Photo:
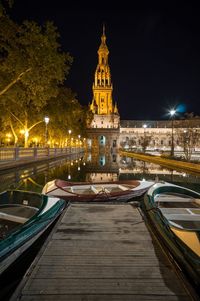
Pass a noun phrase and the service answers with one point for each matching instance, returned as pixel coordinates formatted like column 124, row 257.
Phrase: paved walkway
column 101, row 252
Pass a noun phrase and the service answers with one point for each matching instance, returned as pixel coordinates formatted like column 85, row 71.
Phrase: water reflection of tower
column 102, row 167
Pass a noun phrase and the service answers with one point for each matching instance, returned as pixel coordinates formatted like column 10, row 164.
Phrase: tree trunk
column 14, row 133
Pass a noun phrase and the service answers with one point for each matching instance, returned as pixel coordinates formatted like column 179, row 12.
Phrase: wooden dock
column 101, row 252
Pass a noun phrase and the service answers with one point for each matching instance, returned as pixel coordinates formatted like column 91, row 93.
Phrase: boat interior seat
column 172, row 198
column 125, row 187
column 13, row 218
column 183, row 217
column 115, row 189
column 21, row 211
column 83, row 191
column 174, row 211
column 97, row 189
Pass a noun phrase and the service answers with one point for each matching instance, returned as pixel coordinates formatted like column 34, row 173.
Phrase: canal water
column 94, row 168
column 88, row 167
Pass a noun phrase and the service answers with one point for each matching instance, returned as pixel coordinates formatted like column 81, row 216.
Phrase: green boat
column 174, row 213
column 24, row 216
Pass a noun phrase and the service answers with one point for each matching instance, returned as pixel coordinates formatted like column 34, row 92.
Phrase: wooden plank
column 129, row 245
column 96, row 297
column 98, row 272
column 102, row 286
column 101, row 260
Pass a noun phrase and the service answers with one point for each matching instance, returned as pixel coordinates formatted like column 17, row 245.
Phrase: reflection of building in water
column 126, row 168
column 129, row 166
column 102, row 167
column 101, row 177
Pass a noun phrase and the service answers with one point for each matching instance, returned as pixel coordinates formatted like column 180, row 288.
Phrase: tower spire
column 103, row 29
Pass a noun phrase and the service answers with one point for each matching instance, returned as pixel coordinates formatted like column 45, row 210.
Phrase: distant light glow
column 172, row 112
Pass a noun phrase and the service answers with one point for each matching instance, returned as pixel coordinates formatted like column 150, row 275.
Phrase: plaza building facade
column 158, row 136
column 106, row 133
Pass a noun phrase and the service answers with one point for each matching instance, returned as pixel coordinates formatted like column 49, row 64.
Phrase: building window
column 102, row 99
column 161, row 142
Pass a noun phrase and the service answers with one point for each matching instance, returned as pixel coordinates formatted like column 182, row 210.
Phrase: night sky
column 154, row 50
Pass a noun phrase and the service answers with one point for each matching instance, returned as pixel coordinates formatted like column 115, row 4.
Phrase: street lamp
column 46, row 120
column 172, row 114
column 69, row 131
column 144, row 143
column 79, row 141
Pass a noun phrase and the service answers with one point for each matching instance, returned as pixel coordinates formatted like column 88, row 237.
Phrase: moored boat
column 101, row 191
column 24, row 216
column 174, row 213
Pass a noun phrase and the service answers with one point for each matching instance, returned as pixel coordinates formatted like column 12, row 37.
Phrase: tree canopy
column 33, row 69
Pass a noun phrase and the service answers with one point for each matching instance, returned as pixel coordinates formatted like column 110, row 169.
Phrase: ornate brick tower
column 103, row 132
column 105, row 113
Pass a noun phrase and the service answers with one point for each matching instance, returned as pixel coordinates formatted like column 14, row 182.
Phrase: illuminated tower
column 105, row 112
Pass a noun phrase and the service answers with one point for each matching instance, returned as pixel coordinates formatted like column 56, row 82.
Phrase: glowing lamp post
column 69, row 131
column 172, row 114
column 144, row 143
column 79, row 141
column 46, row 120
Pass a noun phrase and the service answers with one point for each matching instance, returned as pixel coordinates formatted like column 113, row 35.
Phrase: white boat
column 101, row 191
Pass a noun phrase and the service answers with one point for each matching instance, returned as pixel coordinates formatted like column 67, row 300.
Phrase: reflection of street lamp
column 172, row 113
column 46, row 120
